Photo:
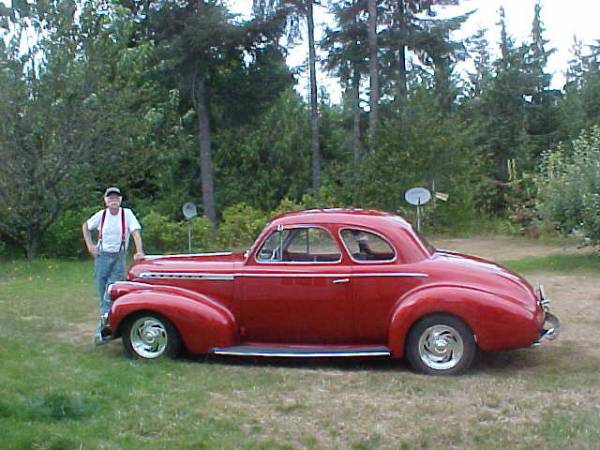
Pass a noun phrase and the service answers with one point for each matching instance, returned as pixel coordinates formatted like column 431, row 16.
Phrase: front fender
column 497, row 323
column 201, row 322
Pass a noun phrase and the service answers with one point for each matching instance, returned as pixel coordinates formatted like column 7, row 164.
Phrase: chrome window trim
column 281, row 228
column 387, row 241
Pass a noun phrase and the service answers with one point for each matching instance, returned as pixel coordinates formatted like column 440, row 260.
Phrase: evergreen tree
column 347, row 56
column 541, row 111
column 411, row 25
column 478, row 47
column 294, row 11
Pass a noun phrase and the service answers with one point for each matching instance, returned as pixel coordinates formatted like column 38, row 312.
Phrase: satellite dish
column 417, row 196
column 189, row 211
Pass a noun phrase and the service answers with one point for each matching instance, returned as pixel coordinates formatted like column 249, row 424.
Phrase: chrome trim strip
column 392, row 274
column 187, row 275
column 230, row 277
column 293, row 354
column 181, row 255
column 332, row 275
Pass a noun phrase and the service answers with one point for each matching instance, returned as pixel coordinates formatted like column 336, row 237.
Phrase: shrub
column 63, row 237
column 162, row 235
column 569, row 186
column 240, row 225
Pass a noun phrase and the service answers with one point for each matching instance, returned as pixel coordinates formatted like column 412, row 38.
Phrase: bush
column 240, row 225
column 162, row 235
column 63, row 237
column 569, row 187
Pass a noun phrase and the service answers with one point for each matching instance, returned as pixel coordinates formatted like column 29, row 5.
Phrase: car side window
column 365, row 246
column 307, row 244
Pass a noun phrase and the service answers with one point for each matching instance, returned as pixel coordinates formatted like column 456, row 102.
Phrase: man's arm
column 139, row 248
column 87, row 237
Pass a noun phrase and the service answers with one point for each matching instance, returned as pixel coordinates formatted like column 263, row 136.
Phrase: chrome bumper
column 550, row 329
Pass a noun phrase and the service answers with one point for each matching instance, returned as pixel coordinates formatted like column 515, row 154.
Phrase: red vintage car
column 329, row 283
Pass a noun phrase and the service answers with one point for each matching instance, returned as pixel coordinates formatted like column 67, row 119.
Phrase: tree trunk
column 206, row 166
column 314, row 112
column 32, row 246
column 373, row 70
column 402, row 84
column 356, row 136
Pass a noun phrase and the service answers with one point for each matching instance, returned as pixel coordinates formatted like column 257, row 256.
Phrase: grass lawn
column 58, row 391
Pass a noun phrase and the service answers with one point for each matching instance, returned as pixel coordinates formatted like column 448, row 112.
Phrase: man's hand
column 139, row 256
column 93, row 250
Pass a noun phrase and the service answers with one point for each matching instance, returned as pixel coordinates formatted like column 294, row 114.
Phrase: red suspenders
column 122, row 229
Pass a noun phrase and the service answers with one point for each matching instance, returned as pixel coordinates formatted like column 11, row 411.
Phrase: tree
column 541, row 110
column 68, row 112
column 479, row 51
column 204, row 53
column 295, row 11
column 347, row 53
column 373, row 69
column 411, row 25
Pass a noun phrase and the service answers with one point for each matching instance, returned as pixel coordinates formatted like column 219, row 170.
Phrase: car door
column 378, row 281
column 295, row 289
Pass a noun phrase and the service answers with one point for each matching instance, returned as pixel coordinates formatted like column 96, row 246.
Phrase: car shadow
column 492, row 363
column 344, row 364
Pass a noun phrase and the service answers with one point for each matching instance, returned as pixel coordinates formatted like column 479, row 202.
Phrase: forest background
column 178, row 101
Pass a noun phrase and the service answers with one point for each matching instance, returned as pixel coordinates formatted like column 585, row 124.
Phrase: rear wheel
column 150, row 336
column 440, row 345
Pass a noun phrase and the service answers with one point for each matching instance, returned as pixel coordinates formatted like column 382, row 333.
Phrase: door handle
column 341, row 280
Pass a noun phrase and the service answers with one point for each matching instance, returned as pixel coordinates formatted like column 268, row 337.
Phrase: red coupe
column 329, row 283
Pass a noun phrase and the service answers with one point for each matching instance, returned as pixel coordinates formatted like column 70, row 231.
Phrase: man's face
column 112, row 201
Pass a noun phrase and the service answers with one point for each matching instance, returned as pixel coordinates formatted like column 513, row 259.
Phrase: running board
column 302, row 351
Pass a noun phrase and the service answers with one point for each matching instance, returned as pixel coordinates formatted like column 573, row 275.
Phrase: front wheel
column 150, row 336
column 440, row 345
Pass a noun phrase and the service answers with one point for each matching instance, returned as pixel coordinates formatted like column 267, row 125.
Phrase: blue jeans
column 109, row 267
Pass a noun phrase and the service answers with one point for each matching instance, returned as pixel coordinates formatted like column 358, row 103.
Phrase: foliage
column 162, row 235
column 262, row 163
column 161, row 97
column 63, row 237
column 569, row 186
column 422, row 148
column 240, row 226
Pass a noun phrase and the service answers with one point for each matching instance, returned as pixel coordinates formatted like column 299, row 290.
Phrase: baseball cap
column 113, row 190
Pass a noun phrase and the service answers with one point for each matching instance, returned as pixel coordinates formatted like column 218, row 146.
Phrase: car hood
column 203, row 263
column 483, row 274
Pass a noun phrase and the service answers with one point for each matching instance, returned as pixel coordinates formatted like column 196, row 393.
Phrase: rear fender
column 201, row 322
column 497, row 323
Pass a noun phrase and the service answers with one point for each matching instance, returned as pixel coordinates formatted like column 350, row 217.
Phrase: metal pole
column 419, row 215
column 189, row 236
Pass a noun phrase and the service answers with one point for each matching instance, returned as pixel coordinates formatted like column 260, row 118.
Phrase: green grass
column 58, row 391
column 567, row 263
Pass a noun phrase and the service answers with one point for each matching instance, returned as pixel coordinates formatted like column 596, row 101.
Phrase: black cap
column 113, row 190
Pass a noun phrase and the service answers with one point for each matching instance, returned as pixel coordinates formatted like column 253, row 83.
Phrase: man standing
column 114, row 225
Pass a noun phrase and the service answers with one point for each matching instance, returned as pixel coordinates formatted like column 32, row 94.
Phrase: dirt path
column 504, row 248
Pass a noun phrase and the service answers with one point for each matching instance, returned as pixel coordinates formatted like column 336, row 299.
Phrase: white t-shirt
column 111, row 232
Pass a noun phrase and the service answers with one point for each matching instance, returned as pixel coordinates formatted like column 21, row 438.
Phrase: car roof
column 355, row 216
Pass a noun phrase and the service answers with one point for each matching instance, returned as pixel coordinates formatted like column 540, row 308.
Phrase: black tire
column 451, row 353
column 150, row 336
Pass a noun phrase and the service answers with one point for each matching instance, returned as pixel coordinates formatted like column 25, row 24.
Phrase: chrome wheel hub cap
column 148, row 337
column 441, row 347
